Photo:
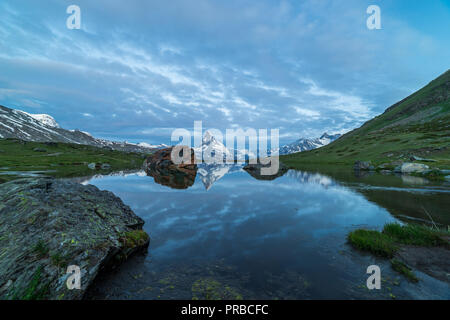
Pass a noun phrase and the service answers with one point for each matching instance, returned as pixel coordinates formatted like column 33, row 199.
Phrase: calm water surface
column 253, row 239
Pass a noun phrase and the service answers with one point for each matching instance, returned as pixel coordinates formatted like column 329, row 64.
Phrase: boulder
column 409, row 167
column 105, row 166
column 416, row 158
column 363, row 165
column 255, row 171
column 165, row 172
column 92, row 165
column 47, row 225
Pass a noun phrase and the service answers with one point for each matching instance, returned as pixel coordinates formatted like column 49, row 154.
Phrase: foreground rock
column 178, row 176
column 47, row 225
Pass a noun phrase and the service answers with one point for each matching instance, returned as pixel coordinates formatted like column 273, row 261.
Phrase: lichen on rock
column 47, row 225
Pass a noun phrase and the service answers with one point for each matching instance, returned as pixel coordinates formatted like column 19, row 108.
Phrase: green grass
column 379, row 148
column 381, row 144
column 135, row 238
column 373, row 241
column 402, row 268
column 386, row 243
column 60, row 159
column 414, row 235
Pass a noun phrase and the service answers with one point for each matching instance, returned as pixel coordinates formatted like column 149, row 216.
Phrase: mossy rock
column 47, row 225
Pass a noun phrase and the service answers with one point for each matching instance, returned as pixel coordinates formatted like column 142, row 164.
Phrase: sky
column 137, row 70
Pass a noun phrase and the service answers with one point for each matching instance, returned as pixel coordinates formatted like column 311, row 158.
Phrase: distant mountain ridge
column 43, row 128
column 305, row 144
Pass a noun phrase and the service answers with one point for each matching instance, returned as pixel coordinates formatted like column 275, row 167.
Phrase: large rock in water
column 47, row 225
column 363, row 165
column 255, row 171
column 178, row 176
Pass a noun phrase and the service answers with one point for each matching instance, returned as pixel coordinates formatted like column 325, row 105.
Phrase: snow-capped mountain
column 44, row 118
column 152, row 146
column 210, row 173
column 305, row 144
column 212, row 148
column 43, row 128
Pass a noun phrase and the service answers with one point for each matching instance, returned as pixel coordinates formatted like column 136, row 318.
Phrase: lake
column 231, row 236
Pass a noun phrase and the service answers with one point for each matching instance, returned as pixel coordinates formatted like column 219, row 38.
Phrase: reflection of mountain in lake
column 309, row 177
column 210, row 173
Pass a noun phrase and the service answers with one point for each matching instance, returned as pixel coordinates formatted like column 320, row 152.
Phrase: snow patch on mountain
column 43, row 128
column 211, row 148
column 152, row 146
column 211, row 173
column 44, row 118
column 305, row 144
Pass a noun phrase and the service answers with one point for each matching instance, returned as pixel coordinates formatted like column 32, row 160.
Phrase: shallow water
column 253, row 239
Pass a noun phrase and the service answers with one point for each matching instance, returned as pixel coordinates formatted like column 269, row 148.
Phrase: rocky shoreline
column 408, row 168
column 48, row 225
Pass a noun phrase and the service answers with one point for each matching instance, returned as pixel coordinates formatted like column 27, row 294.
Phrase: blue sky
column 136, row 70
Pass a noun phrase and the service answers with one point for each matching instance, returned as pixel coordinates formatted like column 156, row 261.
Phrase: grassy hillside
column 418, row 125
column 59, row 159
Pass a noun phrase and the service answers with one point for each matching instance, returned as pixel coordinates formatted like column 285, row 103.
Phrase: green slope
column 418, row 125
column 59, row 159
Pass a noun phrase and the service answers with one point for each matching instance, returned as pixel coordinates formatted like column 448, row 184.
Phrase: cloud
column 307, row 113
column 140, row 67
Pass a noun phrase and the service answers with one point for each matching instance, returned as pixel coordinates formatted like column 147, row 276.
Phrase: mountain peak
column 44, row 118
column 208, row 138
